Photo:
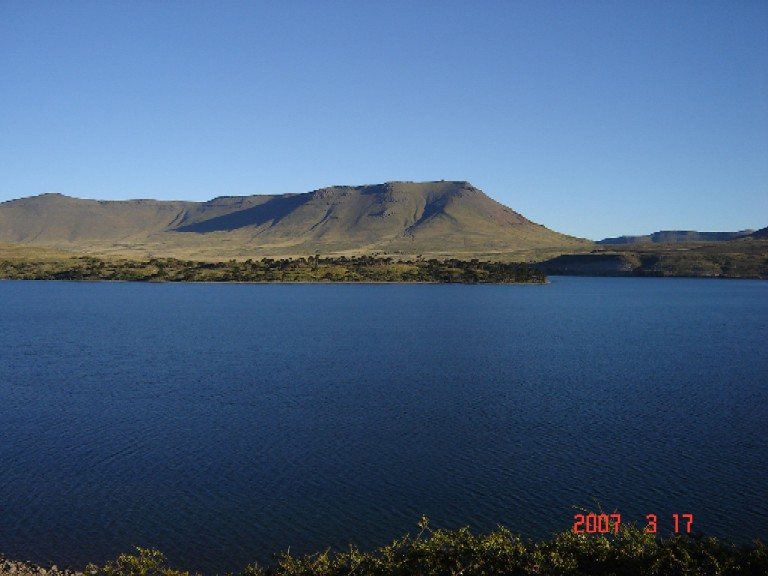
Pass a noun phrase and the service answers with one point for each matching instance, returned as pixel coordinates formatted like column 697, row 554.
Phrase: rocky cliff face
column 590, row 265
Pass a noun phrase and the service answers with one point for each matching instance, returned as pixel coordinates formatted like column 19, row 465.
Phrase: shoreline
column 9, row 567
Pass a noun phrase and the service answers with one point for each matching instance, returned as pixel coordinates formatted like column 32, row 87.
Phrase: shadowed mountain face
column 396, row 217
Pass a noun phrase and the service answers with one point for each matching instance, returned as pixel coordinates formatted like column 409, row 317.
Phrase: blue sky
column 593, row 118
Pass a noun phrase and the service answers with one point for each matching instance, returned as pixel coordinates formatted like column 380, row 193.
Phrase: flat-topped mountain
column 668, row 236
column 440, row 218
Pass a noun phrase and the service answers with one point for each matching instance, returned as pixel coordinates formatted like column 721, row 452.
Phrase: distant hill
column 429, row 218
column 668, row 236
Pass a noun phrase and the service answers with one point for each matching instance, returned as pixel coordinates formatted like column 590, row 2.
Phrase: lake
column 224, row 423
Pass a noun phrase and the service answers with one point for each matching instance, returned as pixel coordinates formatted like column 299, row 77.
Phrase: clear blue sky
column 594, row 118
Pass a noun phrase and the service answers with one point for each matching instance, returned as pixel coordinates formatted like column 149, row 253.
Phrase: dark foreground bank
column 437, row 552
column 733, row 259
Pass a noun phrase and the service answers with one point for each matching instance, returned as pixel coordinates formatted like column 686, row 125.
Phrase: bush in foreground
column 442, row 552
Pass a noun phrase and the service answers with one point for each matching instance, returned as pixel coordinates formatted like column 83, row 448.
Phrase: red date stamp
column 605, row 523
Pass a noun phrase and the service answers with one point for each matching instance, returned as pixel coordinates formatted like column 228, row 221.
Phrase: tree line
column 310, row 269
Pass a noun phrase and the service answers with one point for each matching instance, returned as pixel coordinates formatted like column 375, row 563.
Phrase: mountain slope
column 441, row 218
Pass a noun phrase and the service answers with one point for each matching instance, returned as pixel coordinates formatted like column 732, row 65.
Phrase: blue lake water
column 224, row 423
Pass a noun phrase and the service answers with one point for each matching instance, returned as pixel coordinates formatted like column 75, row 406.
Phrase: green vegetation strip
column 312, row 269
column 441, row 552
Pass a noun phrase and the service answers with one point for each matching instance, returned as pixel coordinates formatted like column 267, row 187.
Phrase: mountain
column 667, row 236
column 428, row 218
